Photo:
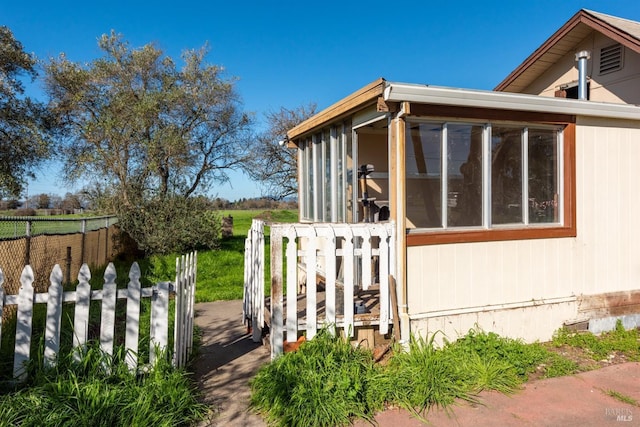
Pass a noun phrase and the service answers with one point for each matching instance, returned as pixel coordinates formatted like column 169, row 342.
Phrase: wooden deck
column 366, row 308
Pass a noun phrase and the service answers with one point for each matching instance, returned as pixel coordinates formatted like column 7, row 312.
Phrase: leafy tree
column 71, row 201
column 25, row 125
column 43, row 201
column 275, row 166
column 144, row 132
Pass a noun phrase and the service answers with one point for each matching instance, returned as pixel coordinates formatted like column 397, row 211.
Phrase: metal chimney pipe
column 582, row 57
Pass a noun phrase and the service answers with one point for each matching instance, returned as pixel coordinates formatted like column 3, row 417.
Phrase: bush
column 172, row 224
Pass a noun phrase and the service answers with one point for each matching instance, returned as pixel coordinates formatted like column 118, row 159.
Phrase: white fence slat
column 292, row 284
column 159, row 320
column 277, row 332
column 259, row 303
column 193, row 273
column 349, row 278
column 311, row 263
column 248, row 265
column 258, row 281
column 108, row 313
column 330, row 277
column 133, row 316
column 54, row 317
column 365, row 258
column 178, row 334
column 81, row 317
column 383, row 275
column 24, row 323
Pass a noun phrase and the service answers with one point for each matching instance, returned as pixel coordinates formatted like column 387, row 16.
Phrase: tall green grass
column 329, row 382
column 101, row 391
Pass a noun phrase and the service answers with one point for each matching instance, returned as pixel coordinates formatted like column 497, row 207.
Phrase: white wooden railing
column 184, row 288
column 343, row 254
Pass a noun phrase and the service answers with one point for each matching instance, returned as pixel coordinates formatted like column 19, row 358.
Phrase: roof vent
column 610, row 58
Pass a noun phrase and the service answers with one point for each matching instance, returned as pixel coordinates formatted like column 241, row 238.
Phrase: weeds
column 600, row 347
column 324, row 383
column 622, row 397
column 328, row 382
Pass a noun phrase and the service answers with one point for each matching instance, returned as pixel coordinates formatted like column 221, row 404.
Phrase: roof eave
column 398, row 92
column 582, row 17
column 365, row 96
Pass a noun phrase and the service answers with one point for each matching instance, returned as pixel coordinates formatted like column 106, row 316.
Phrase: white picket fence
column 253, row 298
column 343, row 254
column 183, row 287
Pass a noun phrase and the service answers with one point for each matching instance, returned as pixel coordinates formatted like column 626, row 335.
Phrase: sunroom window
column 326, row 171
column 463, row 175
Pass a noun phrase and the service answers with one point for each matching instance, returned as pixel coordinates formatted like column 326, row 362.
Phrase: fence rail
column 55, row 297
column 15, row 227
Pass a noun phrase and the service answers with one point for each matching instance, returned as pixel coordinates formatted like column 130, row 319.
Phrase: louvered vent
column 610, row 58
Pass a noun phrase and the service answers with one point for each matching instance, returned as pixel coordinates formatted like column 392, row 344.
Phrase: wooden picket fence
column 183, row 288
column 350, row 258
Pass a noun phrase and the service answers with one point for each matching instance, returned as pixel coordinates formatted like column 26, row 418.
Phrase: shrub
column 172, row 224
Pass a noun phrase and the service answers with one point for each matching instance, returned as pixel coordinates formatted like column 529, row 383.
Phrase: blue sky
column 287, row 53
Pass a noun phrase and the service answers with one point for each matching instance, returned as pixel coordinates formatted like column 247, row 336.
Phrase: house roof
column 565, row 40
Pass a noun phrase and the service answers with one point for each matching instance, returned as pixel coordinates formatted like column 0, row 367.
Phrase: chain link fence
column 44, row 242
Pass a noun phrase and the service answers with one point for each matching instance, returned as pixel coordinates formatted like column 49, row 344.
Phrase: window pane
column 326, row 149
column 423, row 172
column 464, row 175
column 543, row 176
column 506, row 175
column 349, row 178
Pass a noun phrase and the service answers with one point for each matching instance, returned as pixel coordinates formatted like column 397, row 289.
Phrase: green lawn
column 221, row 272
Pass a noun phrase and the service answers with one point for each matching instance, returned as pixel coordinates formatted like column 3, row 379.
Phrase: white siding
column 455, row 284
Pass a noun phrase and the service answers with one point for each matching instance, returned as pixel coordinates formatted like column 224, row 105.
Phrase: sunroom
column 479, row 190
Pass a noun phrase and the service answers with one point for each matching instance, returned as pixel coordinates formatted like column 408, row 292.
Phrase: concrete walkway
column 228, row 359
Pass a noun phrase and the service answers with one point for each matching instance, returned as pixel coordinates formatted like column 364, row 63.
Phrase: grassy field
column 221, row 272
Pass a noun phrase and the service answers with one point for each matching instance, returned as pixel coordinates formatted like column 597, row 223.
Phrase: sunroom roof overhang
column 396, row 93
column 362, row 98
column 434, row 95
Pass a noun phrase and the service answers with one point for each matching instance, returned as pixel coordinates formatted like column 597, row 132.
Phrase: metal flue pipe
column 582, row 58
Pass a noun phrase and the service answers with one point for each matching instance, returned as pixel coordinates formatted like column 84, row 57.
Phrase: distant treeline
column 259, row 203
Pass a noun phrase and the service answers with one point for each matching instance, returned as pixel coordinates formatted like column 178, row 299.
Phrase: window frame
column 566, row 227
